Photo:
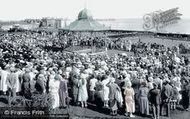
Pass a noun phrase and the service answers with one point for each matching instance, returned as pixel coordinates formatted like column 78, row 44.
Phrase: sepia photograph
column 95, row 59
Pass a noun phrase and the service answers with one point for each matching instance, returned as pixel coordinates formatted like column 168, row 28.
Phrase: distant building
column 51, row 23
column 32, row 21
column 23, row 25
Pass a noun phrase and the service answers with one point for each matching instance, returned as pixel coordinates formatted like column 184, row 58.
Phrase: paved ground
column 76, row 112
column 80, row 113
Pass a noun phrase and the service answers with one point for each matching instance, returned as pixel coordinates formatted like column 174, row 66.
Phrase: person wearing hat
column 82, row 91
column 114, row 96
column 174, row 97
column 166, row 94
column 19, row 72
column 54, row 89
column 63, row 91
column 186, row 94
column 3, row 78
column 155, row 99
column 75, row 88
column 11, row 83
column 88, row 69
column 177, row 84
column 143, row 99
column 92, row 86
column 129, row 100
column 33, row 74
column 105, row 81
column 25, row 87
column 40, row 84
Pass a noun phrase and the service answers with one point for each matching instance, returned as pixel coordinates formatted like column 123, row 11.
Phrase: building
column 51, row 23
column 85, row 22
column 18, row 24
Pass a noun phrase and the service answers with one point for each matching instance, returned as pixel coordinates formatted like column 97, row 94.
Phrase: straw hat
column 82, row 76
column 112, row 80
column 12, row 69
column 51, row 77
column 127, row 85
column 40, row 76
column 27, row 70
column 57, row 77
column 150, row 79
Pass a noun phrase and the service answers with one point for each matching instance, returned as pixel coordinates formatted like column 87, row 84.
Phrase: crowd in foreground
column 155, row 78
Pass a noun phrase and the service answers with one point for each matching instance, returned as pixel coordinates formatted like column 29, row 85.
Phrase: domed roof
column 84, row 14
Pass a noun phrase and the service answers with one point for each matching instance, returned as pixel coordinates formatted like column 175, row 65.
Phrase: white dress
column 3, row 85
column 177, row 83
column 54, row 91
column 18, row 83
column 105, row 89
column 83, row 94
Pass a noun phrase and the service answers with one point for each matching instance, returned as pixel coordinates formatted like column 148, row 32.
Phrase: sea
column 181, row 27
column 134, row 24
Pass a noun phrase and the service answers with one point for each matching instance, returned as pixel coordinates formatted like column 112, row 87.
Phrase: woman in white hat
column 54, row 89
column 3, row 77
column 105, row 81
column 82, row 93
column 129, row 100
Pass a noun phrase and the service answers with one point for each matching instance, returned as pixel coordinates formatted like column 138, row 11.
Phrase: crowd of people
column 155, row 78
column 61, row 40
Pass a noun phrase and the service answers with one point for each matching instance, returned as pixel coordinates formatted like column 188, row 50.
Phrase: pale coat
column 3, row 85
column 129, row 100
column 83, row 94
column 54, row 91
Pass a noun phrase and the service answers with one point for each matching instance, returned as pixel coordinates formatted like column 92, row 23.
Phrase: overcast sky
column 21, row 9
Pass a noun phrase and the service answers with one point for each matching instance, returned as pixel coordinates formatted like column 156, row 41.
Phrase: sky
column 22, row 9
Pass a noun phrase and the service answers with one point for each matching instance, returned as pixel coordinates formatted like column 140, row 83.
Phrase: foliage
column 42, row 100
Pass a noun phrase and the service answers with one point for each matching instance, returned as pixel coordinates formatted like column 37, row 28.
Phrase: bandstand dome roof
column 85, row 22
column 85, row 14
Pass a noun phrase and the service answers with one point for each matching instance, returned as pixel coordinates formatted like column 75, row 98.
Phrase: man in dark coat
column 26, row 92
column 166, row 94
column 154, row 98
column 63, row 91
column 186, row 94
column 40, row 84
